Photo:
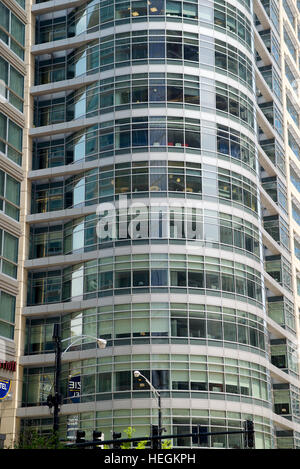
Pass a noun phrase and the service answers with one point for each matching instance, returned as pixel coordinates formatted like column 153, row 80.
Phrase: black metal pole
column 57, row 340
column 159, row 420
column 159, row 437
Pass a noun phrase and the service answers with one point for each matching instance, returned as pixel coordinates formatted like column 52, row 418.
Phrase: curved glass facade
column 153, row 219
column 215, row 229
column 157, row 273
column 141, row 91
column 142, row 47
column 203, row 381
column 171, row 134
column 189, row 181
column 164, row 323
column 99, row 15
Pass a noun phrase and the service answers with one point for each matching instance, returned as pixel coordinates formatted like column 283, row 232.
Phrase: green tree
column 166, row 444
column 129, row 431
column 30, row 439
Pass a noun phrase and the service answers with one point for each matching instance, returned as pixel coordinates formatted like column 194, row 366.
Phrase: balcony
column 276, row 191
column 280, row 270
column 281, row 310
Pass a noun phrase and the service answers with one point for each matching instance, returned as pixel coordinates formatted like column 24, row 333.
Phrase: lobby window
column 7, row 315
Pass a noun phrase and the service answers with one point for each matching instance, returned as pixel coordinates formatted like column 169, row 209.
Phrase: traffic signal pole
column 159, row 420
column 248, row 431
column 56, row 403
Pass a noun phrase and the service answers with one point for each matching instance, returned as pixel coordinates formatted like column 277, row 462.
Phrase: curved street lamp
column 138, row 374
column 100, row 342
column 55, row 401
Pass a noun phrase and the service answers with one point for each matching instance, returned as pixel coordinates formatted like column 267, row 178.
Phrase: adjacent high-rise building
column 150, row 196
column 13, row 160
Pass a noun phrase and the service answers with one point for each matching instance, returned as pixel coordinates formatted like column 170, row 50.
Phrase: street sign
column 74, row 388
column 4, row 388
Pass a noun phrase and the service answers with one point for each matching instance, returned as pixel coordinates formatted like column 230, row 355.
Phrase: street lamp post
column 156, row 393
column 57, row 397
column 55, row 401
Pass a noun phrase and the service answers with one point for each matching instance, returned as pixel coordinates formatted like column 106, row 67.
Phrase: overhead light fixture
column 135, row 13
column 101, row 343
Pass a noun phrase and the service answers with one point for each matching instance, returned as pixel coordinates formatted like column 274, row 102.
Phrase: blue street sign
column 74, row 388
column 4, row 388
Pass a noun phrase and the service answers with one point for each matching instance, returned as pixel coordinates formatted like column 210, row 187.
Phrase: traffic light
column 116, row 444
column 98, row 436
column 53, row 400
column 155, row 444
column 80, row 436
column 49, row 401
column 57, row 398
column 249, row 435
column 56, row 331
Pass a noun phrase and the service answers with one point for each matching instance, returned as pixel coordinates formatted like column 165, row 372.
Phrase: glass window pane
column 12, row 190
column 15, row 135
column 10, row 247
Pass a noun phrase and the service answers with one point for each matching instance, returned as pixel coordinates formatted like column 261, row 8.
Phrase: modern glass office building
column 160, row 211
